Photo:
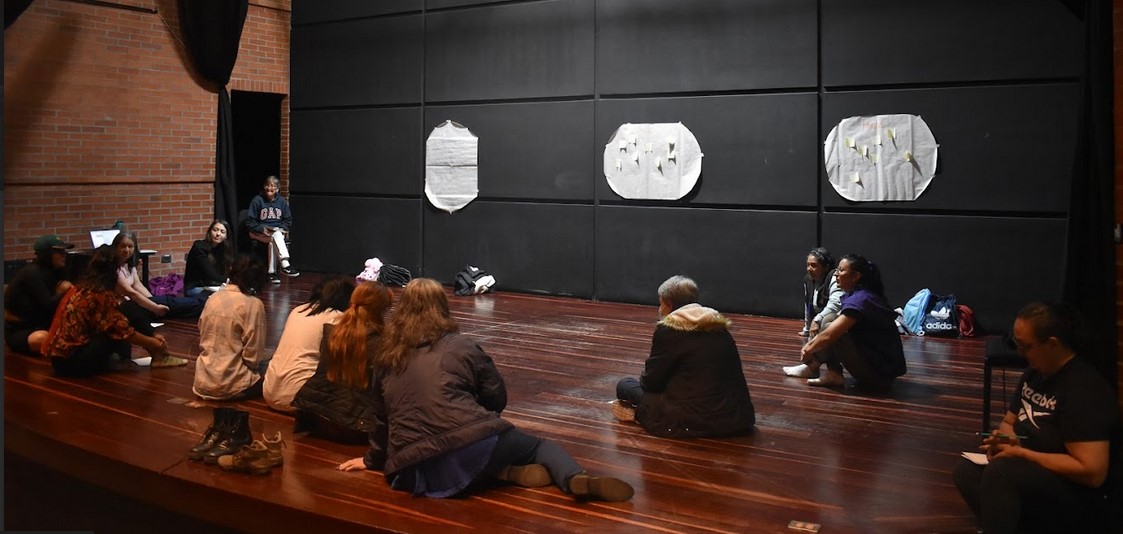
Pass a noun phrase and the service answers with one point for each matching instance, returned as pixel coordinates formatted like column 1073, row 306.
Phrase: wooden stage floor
column 852, row 462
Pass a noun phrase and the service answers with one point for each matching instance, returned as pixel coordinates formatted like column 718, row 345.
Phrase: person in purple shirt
column 863, row 339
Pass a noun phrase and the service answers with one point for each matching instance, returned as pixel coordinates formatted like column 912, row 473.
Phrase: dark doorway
column 257, row 140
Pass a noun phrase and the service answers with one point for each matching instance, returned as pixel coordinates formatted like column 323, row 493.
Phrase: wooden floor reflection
column 847, row 460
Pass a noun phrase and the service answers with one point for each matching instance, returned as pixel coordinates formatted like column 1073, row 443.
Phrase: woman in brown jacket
column 438, row 397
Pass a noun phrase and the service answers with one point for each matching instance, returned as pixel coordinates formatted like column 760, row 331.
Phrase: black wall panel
column 441, row 4
column 356, row 151
column 539, row 150
column 889, row 41
column 757, row 150
column 742, row 260
column 657, row 46
column 312, row 11
column 532, row 50
column 369, row 61
column 540, row 248
column 992, row 264
column 545, row 83
column 338, row 234
column 1001, row 148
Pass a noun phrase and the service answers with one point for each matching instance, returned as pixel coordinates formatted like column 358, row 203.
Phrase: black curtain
column 212, row 30
column 13, row 9
column 1090, row 263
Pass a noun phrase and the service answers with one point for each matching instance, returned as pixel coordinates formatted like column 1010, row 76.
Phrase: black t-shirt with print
column 1072, row 405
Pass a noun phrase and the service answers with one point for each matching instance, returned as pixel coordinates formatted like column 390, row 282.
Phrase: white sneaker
column 801, row 371
column 827, row 379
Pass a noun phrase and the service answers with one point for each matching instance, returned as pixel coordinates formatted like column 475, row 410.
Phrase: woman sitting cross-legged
column 864, row 337
column 438, row 396
column 232, row 336
column 139, row 304
column 335, row 403
column 208, row 261
column 298, row 351
column 89, row 335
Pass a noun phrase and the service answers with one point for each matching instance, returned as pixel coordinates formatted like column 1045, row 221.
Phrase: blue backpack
column 915, row 310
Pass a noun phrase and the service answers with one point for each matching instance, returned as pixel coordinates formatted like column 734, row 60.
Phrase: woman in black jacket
column 438, row 396
column 208, row 261
column 335, row 404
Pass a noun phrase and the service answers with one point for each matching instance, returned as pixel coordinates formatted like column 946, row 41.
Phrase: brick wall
column 103, row 120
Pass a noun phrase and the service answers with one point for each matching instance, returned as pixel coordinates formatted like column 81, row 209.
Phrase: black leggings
column 516, row 448
column 92, row 358
column 1017, row 495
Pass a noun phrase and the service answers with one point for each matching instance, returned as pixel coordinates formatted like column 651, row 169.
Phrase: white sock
column 285, row 263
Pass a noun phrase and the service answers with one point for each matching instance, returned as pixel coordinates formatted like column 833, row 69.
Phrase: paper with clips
column 894, row 156
column 660, row 161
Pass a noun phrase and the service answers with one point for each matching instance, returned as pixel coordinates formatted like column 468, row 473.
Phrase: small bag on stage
column 472, row 281
column 913, row 313
column 942, row 319
column 394, row 275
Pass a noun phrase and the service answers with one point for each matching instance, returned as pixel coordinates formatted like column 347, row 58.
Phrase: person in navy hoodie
column 269, row 220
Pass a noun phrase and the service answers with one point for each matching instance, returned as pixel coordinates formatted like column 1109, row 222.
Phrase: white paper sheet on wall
column 660, row 161
column 451, row 166
column 881, row 157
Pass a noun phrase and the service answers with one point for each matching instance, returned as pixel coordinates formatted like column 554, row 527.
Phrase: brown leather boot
column 257, row 458
column 583, row 486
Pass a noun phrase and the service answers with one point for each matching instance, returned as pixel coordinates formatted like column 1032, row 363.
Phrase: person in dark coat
column 34, row 293
column 336, row 404
column 692, row 385
column 438, row 398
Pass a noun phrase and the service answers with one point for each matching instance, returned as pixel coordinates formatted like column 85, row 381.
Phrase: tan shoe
column 252, row 459
column 257, row 458
column 167, row 361
column 623, row 411
column 527, row 476
column 609, row 489
column 275, row 446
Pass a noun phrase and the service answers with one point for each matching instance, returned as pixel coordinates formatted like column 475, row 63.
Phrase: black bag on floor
column 394, row 275
column 472, row 281
column 942, row 319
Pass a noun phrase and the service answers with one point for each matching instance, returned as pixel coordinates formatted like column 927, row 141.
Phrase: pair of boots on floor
column 229, row 444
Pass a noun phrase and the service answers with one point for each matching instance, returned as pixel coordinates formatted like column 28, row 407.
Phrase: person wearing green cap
column 33, row 294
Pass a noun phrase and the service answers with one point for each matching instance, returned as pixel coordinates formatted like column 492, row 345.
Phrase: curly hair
column 421, row 318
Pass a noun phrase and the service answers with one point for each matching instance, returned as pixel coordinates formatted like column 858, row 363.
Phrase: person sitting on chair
column 692, row 383
column 269, row 221
column 1054, row 462
column 34, row 293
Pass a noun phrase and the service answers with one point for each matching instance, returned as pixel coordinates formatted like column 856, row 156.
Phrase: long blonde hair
column 421, row 318
column 347, row 345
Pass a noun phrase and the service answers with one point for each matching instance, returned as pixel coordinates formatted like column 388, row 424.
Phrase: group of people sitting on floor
column 429, row 400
